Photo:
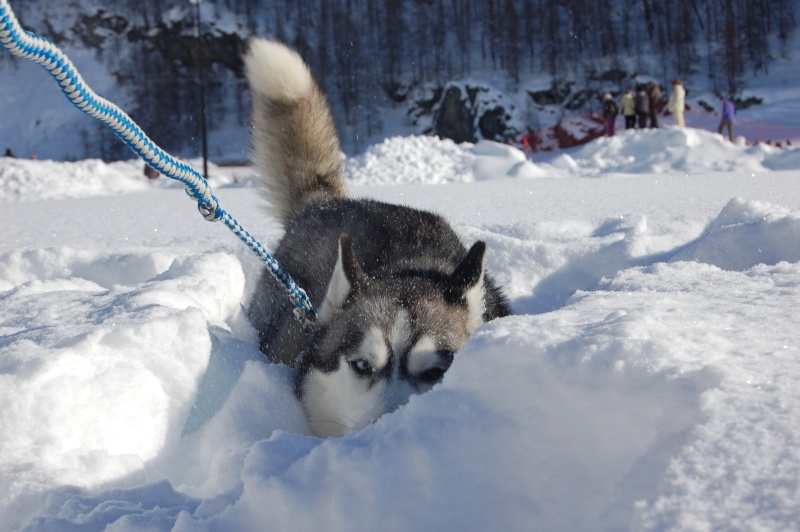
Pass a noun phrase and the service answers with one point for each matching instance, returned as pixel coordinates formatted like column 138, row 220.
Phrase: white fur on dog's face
column 382, row 341
column 376, row 377
column 475, row 304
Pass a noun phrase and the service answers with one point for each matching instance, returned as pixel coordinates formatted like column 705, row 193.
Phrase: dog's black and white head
column 379, row 341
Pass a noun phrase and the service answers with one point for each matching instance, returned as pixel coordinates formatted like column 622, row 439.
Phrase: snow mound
column 649, row 380
column 430, row 161
column 433, row 161
column 25, row 180
column 745, row 234
column 87, row 345
column 411, row 160
column 670, row 150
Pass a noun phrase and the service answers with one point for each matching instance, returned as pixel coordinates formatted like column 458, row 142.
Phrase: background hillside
column 388, row 67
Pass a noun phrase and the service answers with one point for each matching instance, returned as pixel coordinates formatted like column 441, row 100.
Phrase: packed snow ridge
column 649, row 379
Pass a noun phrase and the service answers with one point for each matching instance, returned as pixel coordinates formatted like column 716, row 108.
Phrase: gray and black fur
column 396, row 292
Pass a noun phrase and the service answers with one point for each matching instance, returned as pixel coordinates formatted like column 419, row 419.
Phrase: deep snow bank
column 649, row 378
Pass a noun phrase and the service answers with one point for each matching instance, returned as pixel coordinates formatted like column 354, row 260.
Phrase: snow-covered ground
column 650, row 378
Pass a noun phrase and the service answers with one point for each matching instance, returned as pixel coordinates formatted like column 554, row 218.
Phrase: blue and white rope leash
column 30, row 46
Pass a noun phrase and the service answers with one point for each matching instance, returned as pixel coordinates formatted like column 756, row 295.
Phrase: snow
column 673, row 150
column 649, row 379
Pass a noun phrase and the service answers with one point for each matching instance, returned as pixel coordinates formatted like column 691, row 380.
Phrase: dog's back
column 396, row 292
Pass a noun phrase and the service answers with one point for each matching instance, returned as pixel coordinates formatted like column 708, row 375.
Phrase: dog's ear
column 465, row 284
column 470, row 270
column 347, row 281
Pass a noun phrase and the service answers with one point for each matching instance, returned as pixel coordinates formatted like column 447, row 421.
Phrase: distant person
column 10, row 153
column 642, row 102
column 676, row 102
column 628, row 109
column 610, row 110
column 150, row 172
column 728, row 116
column 654, row 97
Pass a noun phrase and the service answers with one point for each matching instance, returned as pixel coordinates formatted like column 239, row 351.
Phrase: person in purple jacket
column 728, row 116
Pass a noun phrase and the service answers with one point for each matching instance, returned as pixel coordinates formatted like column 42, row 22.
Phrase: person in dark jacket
column 642, row 102
column 610, row 110
column 728, row 116
column 654, row 94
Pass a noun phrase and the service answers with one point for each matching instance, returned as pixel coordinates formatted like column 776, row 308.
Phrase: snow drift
column 650, row 378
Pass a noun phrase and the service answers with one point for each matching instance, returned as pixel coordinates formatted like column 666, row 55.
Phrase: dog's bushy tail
column 295, row 146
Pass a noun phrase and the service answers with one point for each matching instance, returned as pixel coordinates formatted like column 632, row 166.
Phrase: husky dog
column 396, row 292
